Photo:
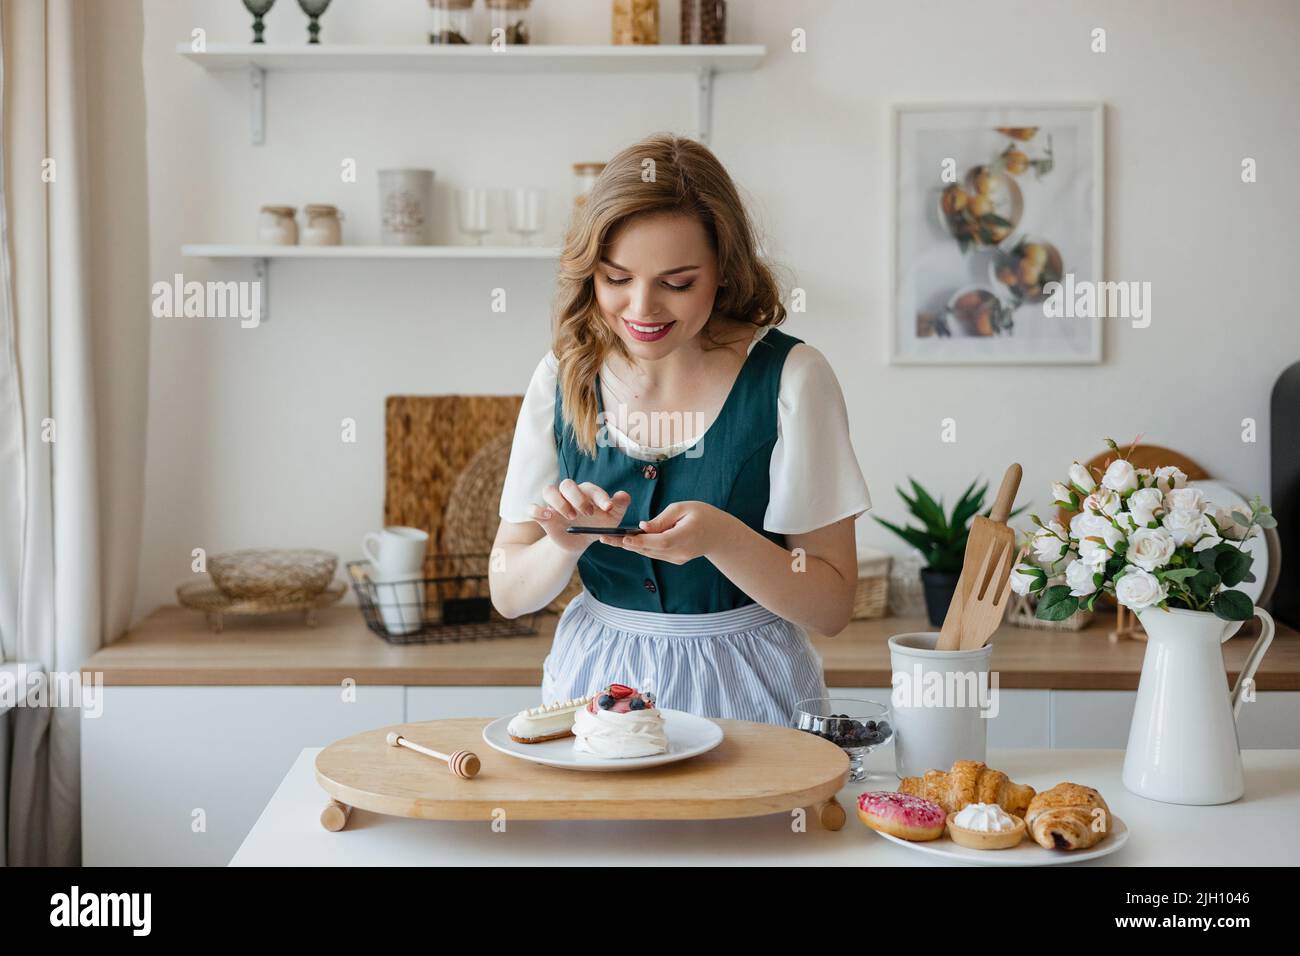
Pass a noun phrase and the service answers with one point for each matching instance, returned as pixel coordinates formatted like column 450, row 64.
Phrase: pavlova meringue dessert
column 620, row 722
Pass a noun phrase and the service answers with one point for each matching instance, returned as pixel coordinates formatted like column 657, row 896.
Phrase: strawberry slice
column 620, row 691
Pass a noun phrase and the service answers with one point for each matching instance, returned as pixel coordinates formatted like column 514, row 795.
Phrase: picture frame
column 968, row 272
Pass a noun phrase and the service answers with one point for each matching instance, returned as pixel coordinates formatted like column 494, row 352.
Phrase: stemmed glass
column 259, row 9
column 855, row 726
column 474, row 212
column 525, row 211
column 313, row 9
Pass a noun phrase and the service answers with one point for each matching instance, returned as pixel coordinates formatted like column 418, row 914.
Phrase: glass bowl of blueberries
column 854, row 725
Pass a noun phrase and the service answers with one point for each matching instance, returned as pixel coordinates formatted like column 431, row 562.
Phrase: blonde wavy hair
column 687, row 180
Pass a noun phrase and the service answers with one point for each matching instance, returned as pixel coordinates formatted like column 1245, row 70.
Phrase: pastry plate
column 1027, row 853
column 688, row 736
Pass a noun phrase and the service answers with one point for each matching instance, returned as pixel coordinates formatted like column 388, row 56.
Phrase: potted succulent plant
column 941, row 539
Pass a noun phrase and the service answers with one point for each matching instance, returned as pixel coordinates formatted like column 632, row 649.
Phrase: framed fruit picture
column 997, row 224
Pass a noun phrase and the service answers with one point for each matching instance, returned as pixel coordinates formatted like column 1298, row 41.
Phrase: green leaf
column 1233, row 606
column 928, row 510
column 1056, row 603
column 1203, row 584
column 1178, row 575
column 1232, row 565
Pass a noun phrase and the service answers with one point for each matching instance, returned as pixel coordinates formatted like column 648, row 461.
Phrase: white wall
column 243, row 446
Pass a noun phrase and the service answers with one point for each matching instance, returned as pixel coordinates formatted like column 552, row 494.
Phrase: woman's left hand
column 682, row 532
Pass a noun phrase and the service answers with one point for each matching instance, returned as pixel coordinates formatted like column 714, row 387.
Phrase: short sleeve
column 814, row 474
column 534, row 461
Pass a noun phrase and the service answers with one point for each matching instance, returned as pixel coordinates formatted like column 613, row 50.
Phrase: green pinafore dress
column 686, row 632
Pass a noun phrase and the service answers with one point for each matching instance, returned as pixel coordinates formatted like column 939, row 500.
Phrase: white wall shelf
column 261, row 255
column 259, row 59
column 228, row 251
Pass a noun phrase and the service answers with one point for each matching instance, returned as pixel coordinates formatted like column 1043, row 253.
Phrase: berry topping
column 637, row 704
column 620, row 691
column 606, row 702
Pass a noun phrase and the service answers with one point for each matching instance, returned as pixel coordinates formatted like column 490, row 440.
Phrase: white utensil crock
column 1182, row 744
column 939, row 703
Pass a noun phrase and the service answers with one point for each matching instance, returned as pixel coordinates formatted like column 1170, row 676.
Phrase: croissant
column 1068, row 817
column 969, row 782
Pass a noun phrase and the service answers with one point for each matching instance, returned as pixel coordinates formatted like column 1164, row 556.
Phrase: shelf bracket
column 257, row 104
column 262, row 275
column 703, row 103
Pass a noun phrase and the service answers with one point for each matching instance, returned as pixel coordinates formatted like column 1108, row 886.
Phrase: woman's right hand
column 571, row 503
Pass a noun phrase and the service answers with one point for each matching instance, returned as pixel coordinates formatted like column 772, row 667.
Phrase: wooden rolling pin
column 461, row 762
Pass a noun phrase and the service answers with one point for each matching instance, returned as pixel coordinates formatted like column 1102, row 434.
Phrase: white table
column 1259, row 829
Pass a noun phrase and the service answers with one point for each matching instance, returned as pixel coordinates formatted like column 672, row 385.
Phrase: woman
column 671, row 402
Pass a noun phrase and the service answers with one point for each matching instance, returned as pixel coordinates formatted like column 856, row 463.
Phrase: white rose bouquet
column 1144, row 537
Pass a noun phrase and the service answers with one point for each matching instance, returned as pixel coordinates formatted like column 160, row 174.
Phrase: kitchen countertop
column 174, row 647
column 1258, row 830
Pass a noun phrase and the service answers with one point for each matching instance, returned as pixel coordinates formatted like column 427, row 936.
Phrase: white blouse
column 814, row 474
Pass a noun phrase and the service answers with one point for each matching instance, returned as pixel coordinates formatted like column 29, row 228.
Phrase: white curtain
column 54, row 421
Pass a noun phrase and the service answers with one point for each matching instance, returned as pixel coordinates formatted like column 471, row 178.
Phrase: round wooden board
column 757, row 769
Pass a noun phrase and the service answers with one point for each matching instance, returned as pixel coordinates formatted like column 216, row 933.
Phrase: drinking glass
column 473, row 205
column 525, row 211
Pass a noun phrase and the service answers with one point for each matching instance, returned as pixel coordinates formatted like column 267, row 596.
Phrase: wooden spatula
column 982, row 613
column 985, row 534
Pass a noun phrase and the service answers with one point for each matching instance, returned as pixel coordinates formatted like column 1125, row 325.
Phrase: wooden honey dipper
column 461, row 762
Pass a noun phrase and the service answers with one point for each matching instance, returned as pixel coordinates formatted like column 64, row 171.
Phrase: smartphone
column 583, row 529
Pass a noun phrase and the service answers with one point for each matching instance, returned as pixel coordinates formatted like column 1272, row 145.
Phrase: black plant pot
column 939, row 587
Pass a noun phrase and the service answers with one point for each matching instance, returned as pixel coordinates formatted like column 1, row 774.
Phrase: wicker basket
column 1024, row 607
column 871, row 600
column 471, row 519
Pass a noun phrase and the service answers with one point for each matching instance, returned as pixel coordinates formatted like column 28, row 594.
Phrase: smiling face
column 656, row 283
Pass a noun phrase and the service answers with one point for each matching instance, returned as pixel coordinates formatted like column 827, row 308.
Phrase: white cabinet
column 438, row 703
column 1021, row 721
column 178, row 775
column 1101, row 718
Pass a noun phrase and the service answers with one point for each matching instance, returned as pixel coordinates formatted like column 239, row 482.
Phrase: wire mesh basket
column 448, row 601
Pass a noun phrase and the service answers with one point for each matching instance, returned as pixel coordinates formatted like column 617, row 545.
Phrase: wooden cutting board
column 757, row 769
column 429, row 440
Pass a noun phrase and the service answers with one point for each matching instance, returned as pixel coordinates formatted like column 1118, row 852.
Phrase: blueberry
column 871, row 725
column 637, row 704
column 606, row 701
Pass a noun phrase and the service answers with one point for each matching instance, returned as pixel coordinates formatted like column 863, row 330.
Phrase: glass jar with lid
column 635, row 22
column 584, row 178
column 508, row 22
column 704, row 21
column 451, row 21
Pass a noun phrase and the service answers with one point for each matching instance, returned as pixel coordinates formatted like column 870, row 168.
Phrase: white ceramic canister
column 406, row 206
column 277, row 227
column 321, row 227
column 941, row 702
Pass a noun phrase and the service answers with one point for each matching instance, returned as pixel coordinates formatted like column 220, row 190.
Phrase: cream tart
column 547, row 722
column 985, row 826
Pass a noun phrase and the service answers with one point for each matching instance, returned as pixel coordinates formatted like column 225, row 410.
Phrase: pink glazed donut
column 902, row 815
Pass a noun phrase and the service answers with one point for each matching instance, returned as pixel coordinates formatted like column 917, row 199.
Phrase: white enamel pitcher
column 1182, row 744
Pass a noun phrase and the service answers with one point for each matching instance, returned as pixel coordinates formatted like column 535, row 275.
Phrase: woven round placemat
column 471, row 519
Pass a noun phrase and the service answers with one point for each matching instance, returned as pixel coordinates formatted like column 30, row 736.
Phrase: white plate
column 688, row 736
column 1028, row 853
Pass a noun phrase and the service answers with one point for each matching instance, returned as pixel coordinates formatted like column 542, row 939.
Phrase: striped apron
column 745, row 664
